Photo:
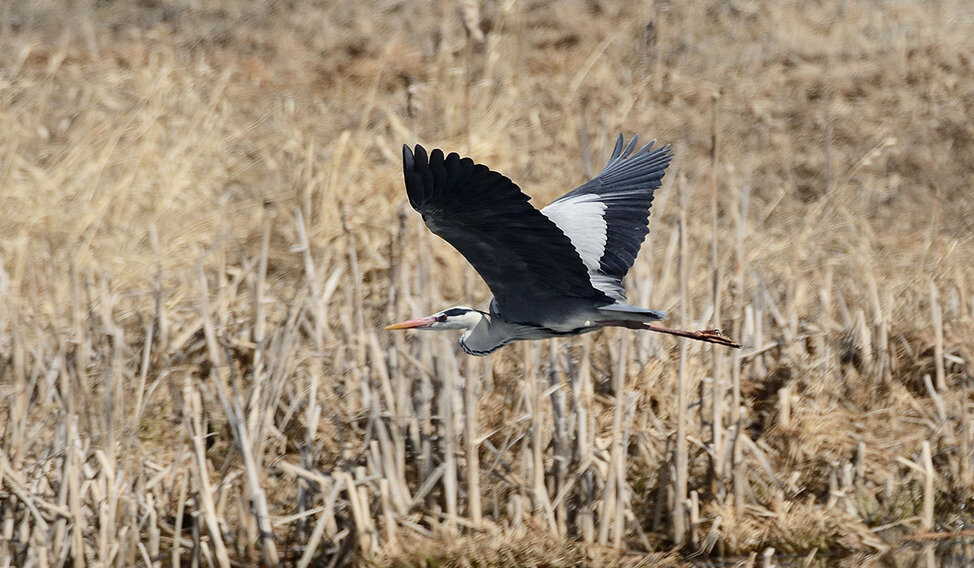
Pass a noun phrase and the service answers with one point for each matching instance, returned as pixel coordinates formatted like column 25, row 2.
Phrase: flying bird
column 554, row 272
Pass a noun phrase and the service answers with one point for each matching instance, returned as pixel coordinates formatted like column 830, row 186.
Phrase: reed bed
column 203, row 230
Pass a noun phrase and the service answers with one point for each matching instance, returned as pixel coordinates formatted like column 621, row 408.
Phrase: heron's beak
column 410, row 324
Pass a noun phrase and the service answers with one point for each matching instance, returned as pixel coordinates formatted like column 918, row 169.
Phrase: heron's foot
column 715, row 336
column 708, row 335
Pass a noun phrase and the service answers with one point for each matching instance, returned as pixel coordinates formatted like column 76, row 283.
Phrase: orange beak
column 412, row 324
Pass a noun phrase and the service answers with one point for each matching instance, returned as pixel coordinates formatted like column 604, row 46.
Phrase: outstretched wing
column 526, row 260
column 607, row 218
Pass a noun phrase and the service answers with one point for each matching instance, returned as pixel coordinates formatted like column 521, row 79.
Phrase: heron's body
column 554, row 272
column 492, row 331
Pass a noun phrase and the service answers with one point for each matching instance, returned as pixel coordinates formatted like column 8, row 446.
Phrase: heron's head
column 459, row 317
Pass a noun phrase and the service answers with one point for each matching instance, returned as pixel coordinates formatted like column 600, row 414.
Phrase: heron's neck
column 483, row 338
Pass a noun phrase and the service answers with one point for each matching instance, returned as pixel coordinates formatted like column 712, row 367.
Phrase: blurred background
column 203, row 230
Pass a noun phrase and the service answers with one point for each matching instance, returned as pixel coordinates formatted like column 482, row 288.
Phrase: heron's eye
column 441, row 318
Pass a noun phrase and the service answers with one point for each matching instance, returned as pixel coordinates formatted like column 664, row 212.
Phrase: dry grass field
column 203, row 230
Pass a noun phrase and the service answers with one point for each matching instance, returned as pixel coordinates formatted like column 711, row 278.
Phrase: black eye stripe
column 454, row 312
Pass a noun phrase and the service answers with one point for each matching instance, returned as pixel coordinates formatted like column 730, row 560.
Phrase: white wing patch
column 582, row 220
column 608, row 284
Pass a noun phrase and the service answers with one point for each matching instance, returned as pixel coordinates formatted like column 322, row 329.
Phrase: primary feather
column 607, row 218
column 526, row 260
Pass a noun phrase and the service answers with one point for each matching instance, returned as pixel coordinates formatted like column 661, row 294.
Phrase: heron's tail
column 631, row 313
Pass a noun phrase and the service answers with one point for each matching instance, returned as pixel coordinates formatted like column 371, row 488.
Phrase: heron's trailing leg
column 708, row 335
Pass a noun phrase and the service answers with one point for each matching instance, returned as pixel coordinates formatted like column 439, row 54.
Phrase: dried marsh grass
column 202, row 230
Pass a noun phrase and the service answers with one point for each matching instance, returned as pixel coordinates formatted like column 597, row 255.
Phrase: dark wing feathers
column 626, row 187
column 524, row 258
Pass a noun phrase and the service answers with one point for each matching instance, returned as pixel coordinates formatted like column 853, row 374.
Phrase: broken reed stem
column 880, row 321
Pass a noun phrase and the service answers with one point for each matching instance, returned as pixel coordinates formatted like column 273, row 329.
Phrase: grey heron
column 554, row 272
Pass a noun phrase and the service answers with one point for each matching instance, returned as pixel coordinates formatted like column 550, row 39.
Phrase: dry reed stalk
column 582, row 397
column 864, row 340
column 155, row 534
column 311, row 547
column 928, row 487
column 309, row 457
column 680, row 457
column 716, row 353
column 143, row 375
column 937, row 318
column 534, row 442
column 610, row 499
column 966, row 459
column 620, row 444
column 755, row 309
column 176, row 551
column 938, row 400
column 259, row 331
column 20, row 490
column 112, row 382
column 73, row 475
column 425, row 403
column 670, row 266
column 258, row 499
column 194, row 428
column 359, row 512
column 784, row 406
column 880, row 322
column 354, row 287
column 471, row 19
column 60, row 544
column 80, row 331
column 471, row 445
column 388, row 519
column 448, row 373
column 106, row 498
column 561, row 425
column 188, row 161
column 740, row 257
column 737, row 475
column 233, row 408
column 693, row 505
column 392, row 471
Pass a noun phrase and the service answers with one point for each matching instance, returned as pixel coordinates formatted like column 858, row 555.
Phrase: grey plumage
column 527, row 262
column 553, row 272
column 623, row 194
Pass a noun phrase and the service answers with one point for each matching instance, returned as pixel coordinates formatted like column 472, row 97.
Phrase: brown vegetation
column 203, row 229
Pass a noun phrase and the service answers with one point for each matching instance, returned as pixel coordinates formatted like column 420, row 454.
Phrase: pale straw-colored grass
column 203, row 229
